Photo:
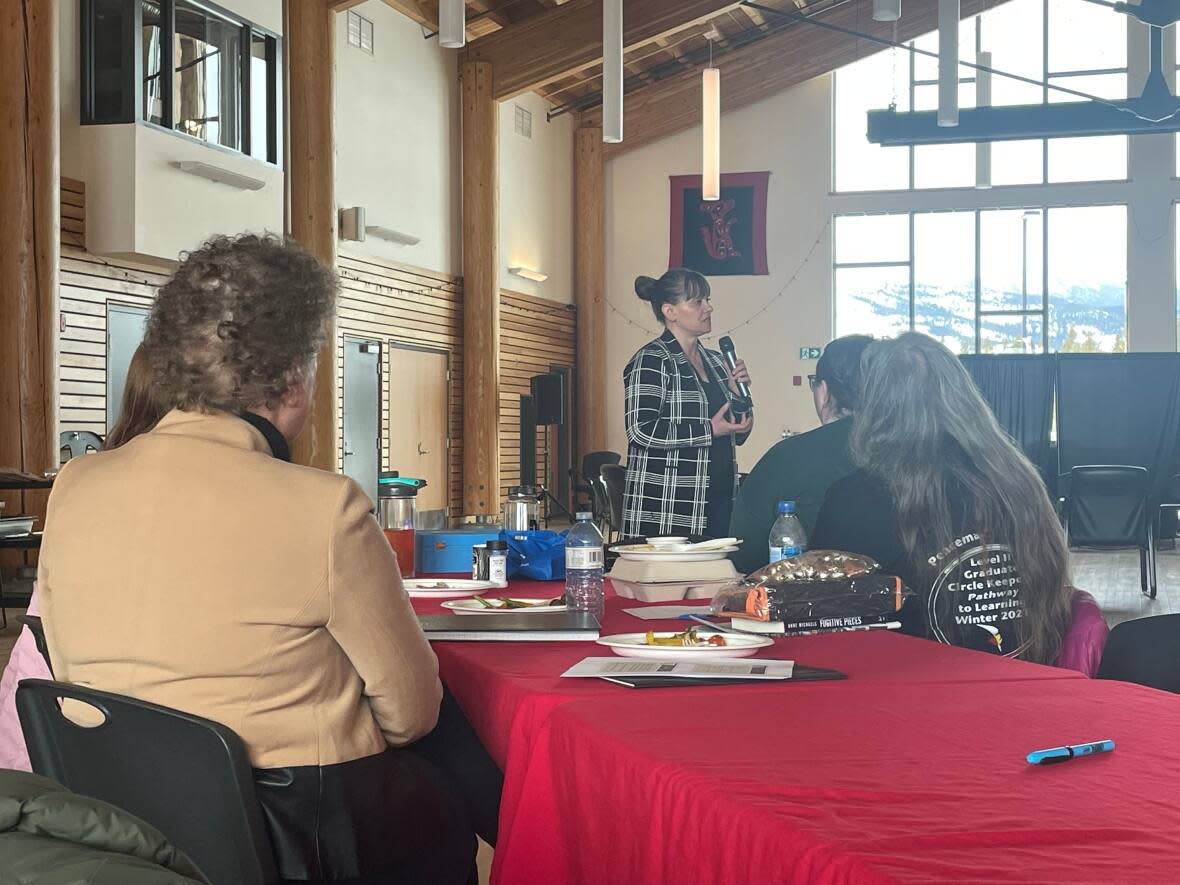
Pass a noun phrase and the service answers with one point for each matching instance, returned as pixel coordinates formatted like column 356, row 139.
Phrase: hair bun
column 643, row 287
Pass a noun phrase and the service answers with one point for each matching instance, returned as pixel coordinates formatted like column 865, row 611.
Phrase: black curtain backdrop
column 1019, row 390
column 1120, row 409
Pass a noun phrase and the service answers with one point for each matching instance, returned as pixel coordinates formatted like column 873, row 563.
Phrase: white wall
column 536, row 200
column 398, row 138
column 784, row 135
column 398, row 154
column 790, row 134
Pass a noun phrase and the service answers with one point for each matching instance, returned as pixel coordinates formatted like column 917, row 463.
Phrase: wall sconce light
column 393, row 236
column 529, row 274
column 220, row 175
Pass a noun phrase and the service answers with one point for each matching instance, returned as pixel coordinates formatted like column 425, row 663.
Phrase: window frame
column 980, row 314
column 132, row 74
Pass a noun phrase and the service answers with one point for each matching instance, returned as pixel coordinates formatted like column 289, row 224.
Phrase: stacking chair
column 1146, row 651
column 591, row 485
column 33, row 622
column 1107, row 508
column 614, row 478
column 187, row 776
column 76, row 443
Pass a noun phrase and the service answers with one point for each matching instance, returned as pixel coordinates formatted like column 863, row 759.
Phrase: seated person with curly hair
column 196, row 567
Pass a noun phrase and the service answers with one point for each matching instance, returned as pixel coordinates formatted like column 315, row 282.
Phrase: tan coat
column 192, row 569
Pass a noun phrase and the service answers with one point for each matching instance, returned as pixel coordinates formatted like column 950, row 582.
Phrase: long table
column 911, row 770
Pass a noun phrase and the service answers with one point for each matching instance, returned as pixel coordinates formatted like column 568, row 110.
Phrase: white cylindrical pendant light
column 948, row 62
column 452, row 24
column 886, row 10
column 711, row 134
column 983, row 99
column 612, row 71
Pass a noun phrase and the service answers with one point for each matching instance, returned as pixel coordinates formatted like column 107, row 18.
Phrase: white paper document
column 728, row 668
column 660, row 612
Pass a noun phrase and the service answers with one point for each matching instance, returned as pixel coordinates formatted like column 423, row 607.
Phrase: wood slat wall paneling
column 399, row 304
column 535, row 335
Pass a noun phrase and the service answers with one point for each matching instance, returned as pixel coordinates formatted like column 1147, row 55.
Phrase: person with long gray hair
column 945, row 500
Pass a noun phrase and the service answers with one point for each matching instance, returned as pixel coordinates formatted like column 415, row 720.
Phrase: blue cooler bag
column 539, row 555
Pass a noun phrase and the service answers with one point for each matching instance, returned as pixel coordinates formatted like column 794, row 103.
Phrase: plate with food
column 691, row 643
column 483, row 605
column 446, row 588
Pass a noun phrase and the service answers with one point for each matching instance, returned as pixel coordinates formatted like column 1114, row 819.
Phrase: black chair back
column 1146, row 651
column 592, row 462
column 614, row 477
column 1108, row 506
column 187, row 776
column 75, row 443
column 38, row 630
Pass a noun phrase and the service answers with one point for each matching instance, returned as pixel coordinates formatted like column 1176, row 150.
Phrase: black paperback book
column 527, row 627
column 798, row 674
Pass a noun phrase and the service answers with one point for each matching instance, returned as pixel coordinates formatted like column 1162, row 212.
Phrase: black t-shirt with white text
column 967, row 593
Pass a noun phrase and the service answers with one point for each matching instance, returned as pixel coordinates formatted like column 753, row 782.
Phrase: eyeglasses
column 812, row 381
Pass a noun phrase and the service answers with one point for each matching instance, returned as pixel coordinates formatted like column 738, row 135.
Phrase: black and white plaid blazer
column 669, row 432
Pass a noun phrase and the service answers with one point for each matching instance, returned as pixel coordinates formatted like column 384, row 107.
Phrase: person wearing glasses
column 800, row 468
column 684, row 416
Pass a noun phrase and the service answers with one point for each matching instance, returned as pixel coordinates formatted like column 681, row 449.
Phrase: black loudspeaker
column 549, row 398
column 528, row 441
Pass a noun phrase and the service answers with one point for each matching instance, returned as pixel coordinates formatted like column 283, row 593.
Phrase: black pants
column 402, row 817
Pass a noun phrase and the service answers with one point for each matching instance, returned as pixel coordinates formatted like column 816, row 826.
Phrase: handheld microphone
column 727, row 351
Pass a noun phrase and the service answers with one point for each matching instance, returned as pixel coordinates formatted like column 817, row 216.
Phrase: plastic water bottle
column 583, row 567
column 787, row 537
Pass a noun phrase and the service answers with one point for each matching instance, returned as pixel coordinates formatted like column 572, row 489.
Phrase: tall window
column 201, row 71
column 1066, row 43
column 1048, row 275
column 987, row 280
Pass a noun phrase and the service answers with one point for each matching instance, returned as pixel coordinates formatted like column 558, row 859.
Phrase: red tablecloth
column 912, row 769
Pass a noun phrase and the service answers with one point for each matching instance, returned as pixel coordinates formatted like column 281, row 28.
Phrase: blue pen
column 1064, row 754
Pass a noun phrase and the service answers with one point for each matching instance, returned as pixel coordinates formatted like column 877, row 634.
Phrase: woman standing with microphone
column 684, row 414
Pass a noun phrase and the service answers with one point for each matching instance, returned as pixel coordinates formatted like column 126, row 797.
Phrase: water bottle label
column 583, row 557
column 777, row 553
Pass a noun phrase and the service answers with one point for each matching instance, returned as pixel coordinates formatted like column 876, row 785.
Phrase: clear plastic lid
column 584, row 516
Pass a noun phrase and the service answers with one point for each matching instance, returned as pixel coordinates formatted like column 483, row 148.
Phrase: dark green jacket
column 50, row 836
column 799, row 468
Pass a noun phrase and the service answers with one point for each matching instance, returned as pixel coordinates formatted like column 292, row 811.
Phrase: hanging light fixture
column 612, row 71
column 452, row 24
column 983, row 99
column 711, row 130
column 948, row 62
column 886, row 10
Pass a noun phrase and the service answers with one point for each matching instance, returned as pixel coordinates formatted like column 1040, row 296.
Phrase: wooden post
column 311, row 173
column 30, row 242
column 590, row 288
column 481, row 295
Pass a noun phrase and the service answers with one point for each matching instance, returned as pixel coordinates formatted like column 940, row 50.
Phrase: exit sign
column 809, row 353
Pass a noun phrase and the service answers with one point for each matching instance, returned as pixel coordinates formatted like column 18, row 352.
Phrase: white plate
column 644, row 553
column 475, row 607
column 446, row 588
column 632, row 645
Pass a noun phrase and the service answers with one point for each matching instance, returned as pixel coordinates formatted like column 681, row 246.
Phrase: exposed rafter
column 546, row 47
column 759, row 69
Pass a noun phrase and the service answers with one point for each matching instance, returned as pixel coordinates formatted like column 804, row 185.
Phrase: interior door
column 362, row 412
column 125, row 328
column 418, row 407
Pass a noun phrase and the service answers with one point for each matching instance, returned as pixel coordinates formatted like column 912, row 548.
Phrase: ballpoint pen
column 1071, row 751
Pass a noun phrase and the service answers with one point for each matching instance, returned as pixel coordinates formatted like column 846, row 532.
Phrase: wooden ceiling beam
column 764, row 68
column 424, row 12
column 546, row 47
